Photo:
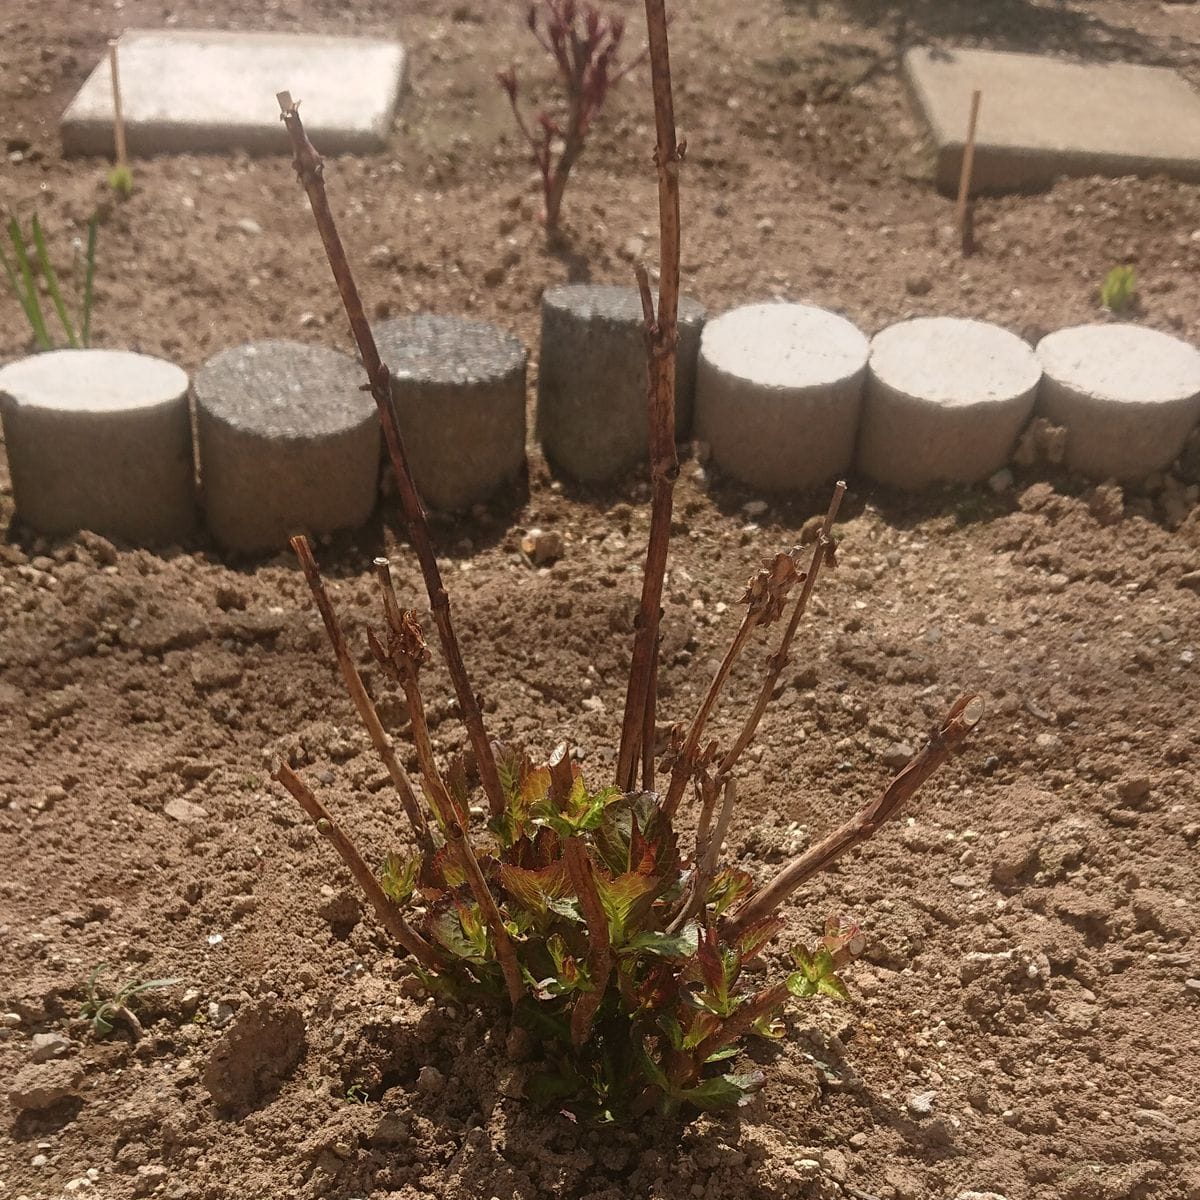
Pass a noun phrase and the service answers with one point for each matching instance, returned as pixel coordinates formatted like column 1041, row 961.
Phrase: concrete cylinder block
column 100, row 440
column 460, row 397
column 288, row 443
column 592, row 419
column 779, row 394
column 945, row 401
column 1128, row 396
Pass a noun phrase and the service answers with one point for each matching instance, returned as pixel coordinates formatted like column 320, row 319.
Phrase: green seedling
column 120, row 179
column 103, row 1013
column 1118, row 292
column 19, row 274
column 357, row 1093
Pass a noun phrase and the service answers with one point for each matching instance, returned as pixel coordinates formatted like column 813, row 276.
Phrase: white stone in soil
column 100, row 440
column 779, row 394
column 288, row 443
column 945, row 401
column 1128, row 397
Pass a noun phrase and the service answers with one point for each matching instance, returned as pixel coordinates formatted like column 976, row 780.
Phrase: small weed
column 102, row 1013
column 120, row 179
column 357, row 1093
column 19, row 273
column 1118, row 292
column 584, row 44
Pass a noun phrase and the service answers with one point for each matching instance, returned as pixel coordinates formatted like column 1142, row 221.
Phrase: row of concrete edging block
column 785, row 396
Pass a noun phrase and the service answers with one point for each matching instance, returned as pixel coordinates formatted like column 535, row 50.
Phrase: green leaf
column 47, row 269
column 799, row 984
column 29, row 297
column 727, row 889
column 723, row 1091
column 832, row 986
column 398, row 877
column 681, row 945
column 722, row 1055
column 460, row 932
column 671, row 1027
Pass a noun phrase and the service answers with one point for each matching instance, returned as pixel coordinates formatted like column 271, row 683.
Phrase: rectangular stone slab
column 184, row 91
column 1043, row 117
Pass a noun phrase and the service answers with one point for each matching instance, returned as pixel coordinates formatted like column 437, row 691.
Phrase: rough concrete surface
column 288, row 443
column 1041, row 117
column 100, row 440
column 779, row 393
column 592, row 419
column 1128, row 396
column 945, row 401
column 186, row 91
column 460, row 398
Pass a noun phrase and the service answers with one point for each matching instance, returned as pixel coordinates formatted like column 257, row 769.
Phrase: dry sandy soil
column 1025, row 1022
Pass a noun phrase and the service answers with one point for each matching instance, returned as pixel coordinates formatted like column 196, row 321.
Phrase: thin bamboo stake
column 661, row 338
column 382, row 742
column 387, row 912
column 963, row 214
column 122, row 150
column 310, row 169
column 961, row 719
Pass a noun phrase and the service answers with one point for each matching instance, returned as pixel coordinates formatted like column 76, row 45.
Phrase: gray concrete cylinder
column 592, row 420
column 945, row 401
column 288, row 443
column 460, row 398
column 100, row 440
column 1128, row 396
column 779, row 394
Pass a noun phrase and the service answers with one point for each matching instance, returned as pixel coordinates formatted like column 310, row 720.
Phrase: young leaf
column 624, row 899
column 534, row 890
column 398, row 877
column 727, row 889
column 723, row 1091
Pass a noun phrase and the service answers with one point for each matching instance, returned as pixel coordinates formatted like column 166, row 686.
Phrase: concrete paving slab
column 191, row 91
column 945, row 400
column 100, row 440
column 1042, row 117
column 1128, row 397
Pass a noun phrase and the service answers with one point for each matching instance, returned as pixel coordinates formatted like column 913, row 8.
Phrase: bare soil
column 1026, row 1019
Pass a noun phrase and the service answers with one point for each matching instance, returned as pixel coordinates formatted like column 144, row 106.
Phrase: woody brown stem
column 778, row 660
column 402, row 658
column 387, row 912
column 959, row 722
column 685, row 764
column 661, row 337
column 741, row 1021
column 310, row 169
column 358, row 694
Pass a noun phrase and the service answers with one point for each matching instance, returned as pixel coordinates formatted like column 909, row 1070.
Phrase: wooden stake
column 964, row 215
column 118, row 112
